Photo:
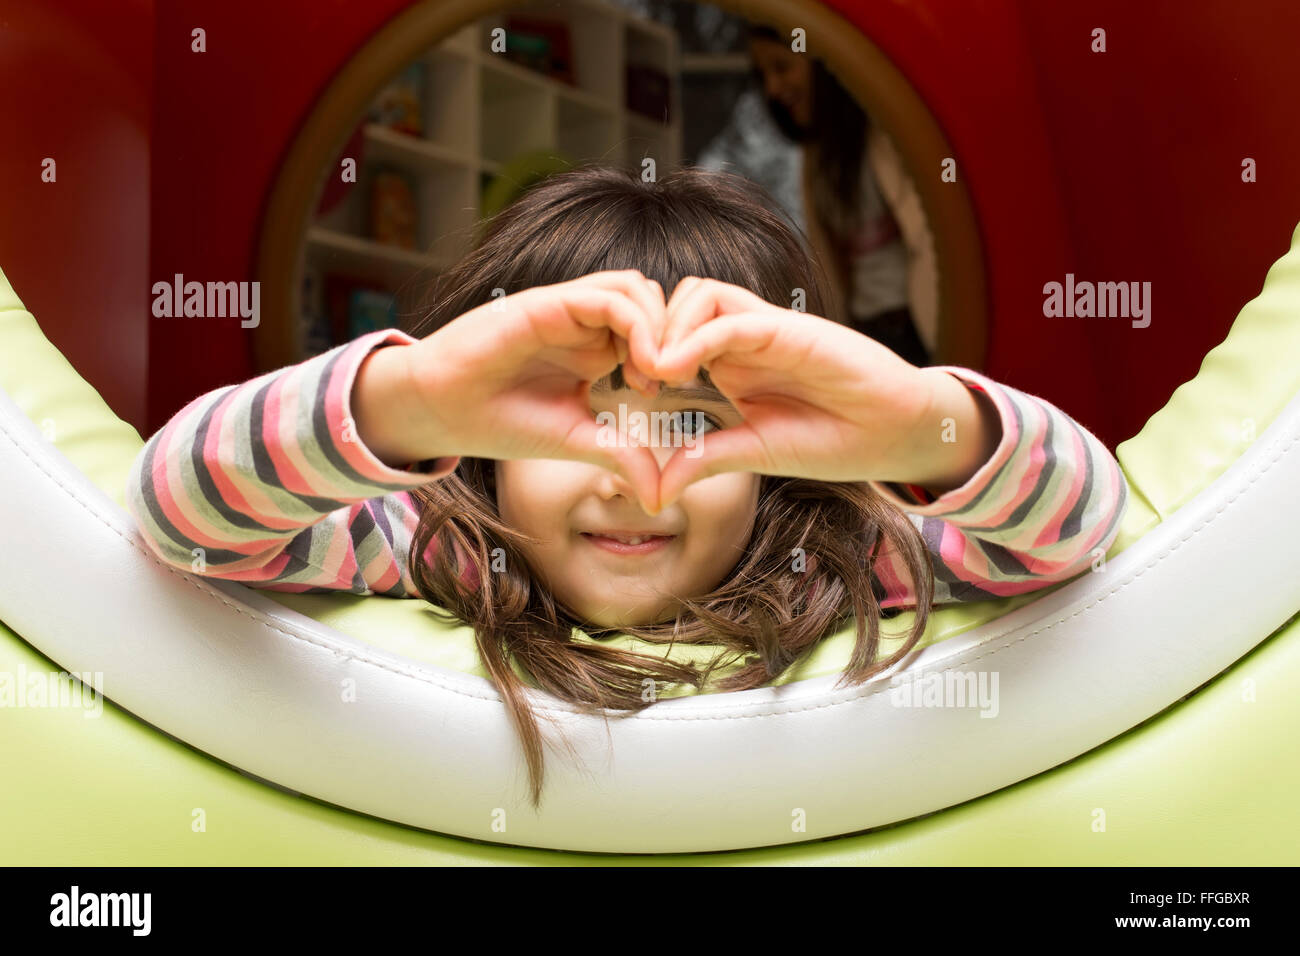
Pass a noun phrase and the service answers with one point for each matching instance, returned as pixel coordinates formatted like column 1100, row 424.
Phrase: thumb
column 731, row 449
column 636, row 464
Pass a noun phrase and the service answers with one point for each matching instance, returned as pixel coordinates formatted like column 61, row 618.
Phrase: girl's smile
column 629, row 544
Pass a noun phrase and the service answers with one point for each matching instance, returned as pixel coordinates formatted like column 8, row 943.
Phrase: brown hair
column 768, row 612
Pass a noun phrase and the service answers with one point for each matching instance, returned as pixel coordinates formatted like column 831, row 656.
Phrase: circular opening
column 484, row 135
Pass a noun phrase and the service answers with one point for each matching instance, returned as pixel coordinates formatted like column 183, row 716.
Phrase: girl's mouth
column 630, row 544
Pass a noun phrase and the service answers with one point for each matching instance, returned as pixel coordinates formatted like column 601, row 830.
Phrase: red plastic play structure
column 1118, row 166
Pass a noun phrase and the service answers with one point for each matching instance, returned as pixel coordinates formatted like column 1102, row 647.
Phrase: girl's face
column 568, row 504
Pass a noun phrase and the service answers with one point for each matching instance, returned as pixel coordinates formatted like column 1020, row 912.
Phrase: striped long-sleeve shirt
column 266, row 483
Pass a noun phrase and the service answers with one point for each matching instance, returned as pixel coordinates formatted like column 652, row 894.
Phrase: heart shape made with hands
column 815, row 398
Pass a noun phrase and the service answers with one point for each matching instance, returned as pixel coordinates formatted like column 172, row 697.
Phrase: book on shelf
column 398, row 105
column 355, row 305
column 370, row 310
column 542, row 45
column 392, row 210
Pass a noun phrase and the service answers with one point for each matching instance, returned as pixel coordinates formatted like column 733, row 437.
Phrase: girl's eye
column 697, row 423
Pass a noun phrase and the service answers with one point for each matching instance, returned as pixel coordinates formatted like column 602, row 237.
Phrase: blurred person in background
column 862, row 213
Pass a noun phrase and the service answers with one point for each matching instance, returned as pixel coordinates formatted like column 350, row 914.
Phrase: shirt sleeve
column 266, row 483
column 1032, row 516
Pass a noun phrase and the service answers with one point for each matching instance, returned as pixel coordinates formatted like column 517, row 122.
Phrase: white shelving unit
column 482, row 110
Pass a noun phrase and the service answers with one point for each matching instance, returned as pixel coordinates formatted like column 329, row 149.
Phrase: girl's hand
column 819, row 399
column 511, row 379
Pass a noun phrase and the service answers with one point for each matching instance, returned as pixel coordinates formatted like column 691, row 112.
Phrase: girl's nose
column 610, row 484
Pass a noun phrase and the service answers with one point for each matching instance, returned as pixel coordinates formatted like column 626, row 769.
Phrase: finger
column 692, row 290
column 744, row 332
column 653, row 301
column 661, row 309
column 584, row 310
column 648, row 294
column 703, row 300
column 634, row 377
column 684, row 286
column 639, row 352
column 573, row 323
column 640, row 469
column 659, row 291
column 641, row 343
column 731, row 449
column 636, row 464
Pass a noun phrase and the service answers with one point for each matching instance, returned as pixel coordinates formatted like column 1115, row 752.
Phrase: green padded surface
column 63, row 404
column 1209, row 782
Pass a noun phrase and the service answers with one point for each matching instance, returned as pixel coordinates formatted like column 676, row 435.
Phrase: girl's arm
column 1032, row 515
column 269, row 483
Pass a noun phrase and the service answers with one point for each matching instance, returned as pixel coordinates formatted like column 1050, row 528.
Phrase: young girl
column 464, row 464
